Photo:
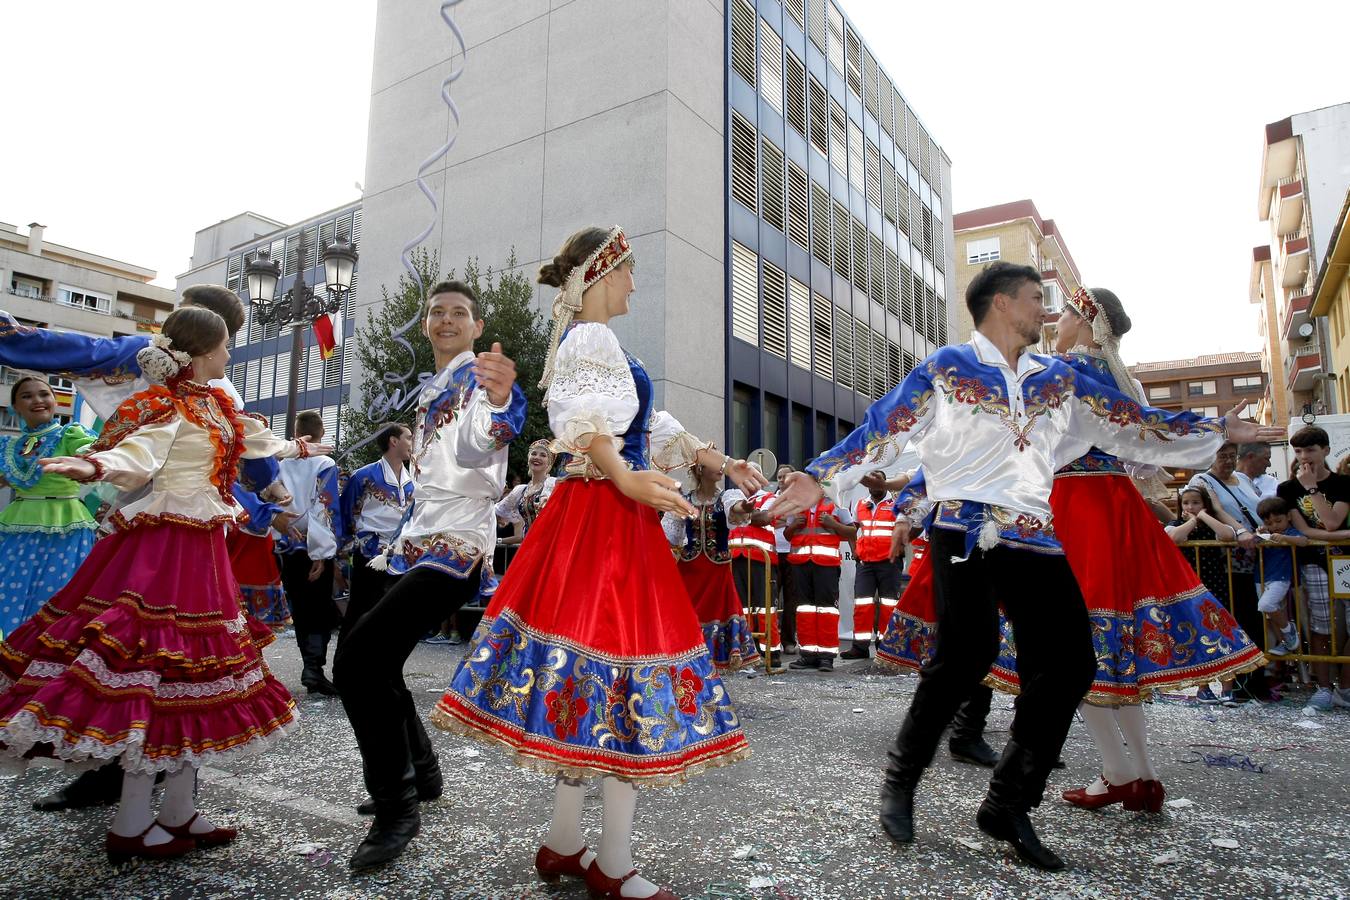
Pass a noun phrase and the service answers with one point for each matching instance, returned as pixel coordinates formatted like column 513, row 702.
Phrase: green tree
column 396, row 357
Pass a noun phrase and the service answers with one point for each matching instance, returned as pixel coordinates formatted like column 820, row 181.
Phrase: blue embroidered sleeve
column 347, row 509
column 260, row 513
column 913, row 501
column 258, row 474
column 325, row 518
column 486, row 429
column 1104, row 417
column 890, row 423
column 44, row 350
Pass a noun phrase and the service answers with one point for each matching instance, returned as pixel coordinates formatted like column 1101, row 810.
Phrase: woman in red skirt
column 145, row 656
column 701, row 547
column 1155, row 625
column 590, row 660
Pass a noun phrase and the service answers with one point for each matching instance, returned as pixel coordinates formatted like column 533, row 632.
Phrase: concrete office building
column 66, row 289
column 787, row 209
column 260, row 356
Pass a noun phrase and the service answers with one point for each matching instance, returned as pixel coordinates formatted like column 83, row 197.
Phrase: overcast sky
column 130, row 126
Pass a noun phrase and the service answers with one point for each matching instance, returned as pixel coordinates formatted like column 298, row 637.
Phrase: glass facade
column 260, row 357
column 836, row 242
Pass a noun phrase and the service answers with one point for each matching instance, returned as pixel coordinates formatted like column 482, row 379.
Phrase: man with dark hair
column 992, row 423
column 1320, row 499
column 308, row 549
column 456, row 287
column 373, row 505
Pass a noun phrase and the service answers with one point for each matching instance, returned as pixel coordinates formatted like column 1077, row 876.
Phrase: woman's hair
column 220, row 300
column 574, row 252
column 195, row 330
column 14, row 389
column 1204, row 499
column 387, row 432
column 1114, row 310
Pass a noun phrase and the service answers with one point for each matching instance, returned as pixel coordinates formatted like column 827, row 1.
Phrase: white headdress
column 160, row 362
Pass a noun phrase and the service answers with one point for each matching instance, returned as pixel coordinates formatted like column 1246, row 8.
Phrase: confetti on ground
column 1310, row 724
column 1166, row 859
column 746, row 852
column 760, row 881
column 967, row 842
column 1225, row 843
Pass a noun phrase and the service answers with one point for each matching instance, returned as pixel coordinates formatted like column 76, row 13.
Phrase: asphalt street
column 1259, row 800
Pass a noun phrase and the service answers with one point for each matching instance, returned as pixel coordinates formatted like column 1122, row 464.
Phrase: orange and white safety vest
column 754, row 541
column 876, row 525
column 815, row 543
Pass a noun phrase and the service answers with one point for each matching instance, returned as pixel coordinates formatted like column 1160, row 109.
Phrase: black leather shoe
column 803, row 662
column 976, row 752
column 319, row 684
column 97, row 787
column 1014, row 827
column 897, row 813
column 388, row 837
column 426, row 792
column 825, row 664
column 855, row 652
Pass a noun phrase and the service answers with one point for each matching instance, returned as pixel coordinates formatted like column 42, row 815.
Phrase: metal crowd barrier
column 1337, row 564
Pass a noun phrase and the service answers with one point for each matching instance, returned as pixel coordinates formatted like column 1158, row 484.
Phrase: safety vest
column 815, row 543
column 754, row 541
column 876, row 524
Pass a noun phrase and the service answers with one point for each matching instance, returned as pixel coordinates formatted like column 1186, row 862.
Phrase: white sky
column 128, row 127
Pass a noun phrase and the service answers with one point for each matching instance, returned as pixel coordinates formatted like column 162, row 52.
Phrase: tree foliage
column 395, row 356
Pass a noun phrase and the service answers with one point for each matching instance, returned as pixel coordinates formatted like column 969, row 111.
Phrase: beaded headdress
column 607, row 257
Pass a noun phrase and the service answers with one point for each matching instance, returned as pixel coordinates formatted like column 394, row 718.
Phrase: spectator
column 1276, row 572
column 1253, row 467
column 1342, row 468
column 1236, row 498
column 1320, row 500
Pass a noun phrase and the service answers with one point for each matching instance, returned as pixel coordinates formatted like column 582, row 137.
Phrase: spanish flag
column 327, row 328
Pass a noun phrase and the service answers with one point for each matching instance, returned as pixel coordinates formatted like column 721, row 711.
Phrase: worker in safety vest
column 752, row 564
column 816, row 537
column 876, row 581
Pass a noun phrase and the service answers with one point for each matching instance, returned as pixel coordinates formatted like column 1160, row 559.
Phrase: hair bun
column 555, row 273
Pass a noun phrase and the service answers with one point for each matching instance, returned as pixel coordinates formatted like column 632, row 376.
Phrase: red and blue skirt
column 712, row 589
column 1155, row 626
column 254, row 563
column 590, row 659
column 146, row 657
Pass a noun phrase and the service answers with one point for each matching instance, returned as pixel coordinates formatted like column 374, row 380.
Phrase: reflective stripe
column 889, row 601
column 861, row 601
column 863, row 635
column 737, row 542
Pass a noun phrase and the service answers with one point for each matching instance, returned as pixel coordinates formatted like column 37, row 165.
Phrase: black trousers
column 1254, row 684
column 365, row 589
column 873, row 581
column 1055, row 660
column 312, row 605
column 368, row 672
column 973, row 715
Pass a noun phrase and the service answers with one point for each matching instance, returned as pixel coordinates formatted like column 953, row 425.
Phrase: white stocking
column 133, row 812
column 1116, row 766
column 1135, row 729
column 180, row 802
column 616, row 840
column 564, row 832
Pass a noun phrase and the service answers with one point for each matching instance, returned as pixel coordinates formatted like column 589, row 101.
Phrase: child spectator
column 1276, row 572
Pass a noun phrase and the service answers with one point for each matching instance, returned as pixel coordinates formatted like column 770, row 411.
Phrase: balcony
column 1297, row 312
column 1288, row 212
column 1294, row 260
column 1302, row 368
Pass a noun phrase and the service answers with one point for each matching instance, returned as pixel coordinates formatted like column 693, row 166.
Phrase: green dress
column 45, row 531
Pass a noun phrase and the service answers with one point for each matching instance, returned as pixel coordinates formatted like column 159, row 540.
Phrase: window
column 770, row 66
column 771, row 183
column 83, row 299
column 1211, row 412
column 1247, row 383
column 838, row 138
column 856, row 172
column 872, row 175
column 822, row 333
column 744, row 295
column 796, row 9
column 773, row 424
column 820, row 223
column 888, row 190
column 886, row 101
column 892, row 283
column 878, row 270
column 843, row 348
column 774, row 309
column 742, row 404
column 743, row 161
column 859, row 255
column 799, row 323
column 797, row 435
column 853, row 52
column 841, row 240
column 870, row 83
column 815, row 24
column 834, row 50
column 794, row 90
column 1160, row 393
column 982, row 251
column 25, row 287
column 901, row 121
column 1200, row 388
column 743, row 40
column 798, row 227
column 1053, row 296
column 906, row 293
column 819, row 117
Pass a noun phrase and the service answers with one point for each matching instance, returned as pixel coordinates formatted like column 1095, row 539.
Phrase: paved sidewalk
column 796, row 821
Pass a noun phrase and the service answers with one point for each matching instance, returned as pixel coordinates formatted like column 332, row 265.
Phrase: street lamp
column 300, row 305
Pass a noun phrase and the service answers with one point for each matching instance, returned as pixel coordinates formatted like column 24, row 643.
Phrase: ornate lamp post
column 299, row 306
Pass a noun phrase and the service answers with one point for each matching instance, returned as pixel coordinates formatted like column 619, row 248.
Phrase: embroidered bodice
column 525, row 502
column 599, row 388
column 994, row 434
column 708, row 533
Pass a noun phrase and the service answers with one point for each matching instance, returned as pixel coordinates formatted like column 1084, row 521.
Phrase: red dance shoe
column 122, row 849
column 1130, row 794
column 213, row 838
column 552, row 865
column 1153, row 795
column 601, row 887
